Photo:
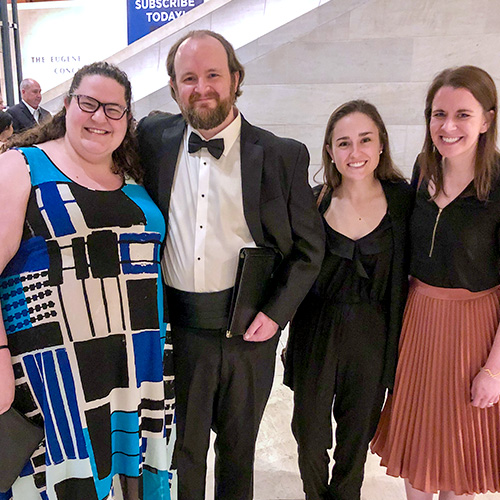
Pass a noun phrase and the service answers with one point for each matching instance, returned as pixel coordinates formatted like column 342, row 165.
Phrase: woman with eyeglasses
column 82, row 338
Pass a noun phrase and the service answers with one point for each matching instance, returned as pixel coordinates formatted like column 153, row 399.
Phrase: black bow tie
column 215, row 146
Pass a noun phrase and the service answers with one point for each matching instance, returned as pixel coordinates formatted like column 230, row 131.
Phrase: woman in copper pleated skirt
column 440, row 430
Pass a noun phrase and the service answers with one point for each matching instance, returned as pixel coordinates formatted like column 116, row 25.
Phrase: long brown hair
column 480, row 84
column 125, row 157
column 385, row 169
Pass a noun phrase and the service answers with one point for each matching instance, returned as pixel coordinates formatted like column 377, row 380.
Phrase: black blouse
column 457, row 246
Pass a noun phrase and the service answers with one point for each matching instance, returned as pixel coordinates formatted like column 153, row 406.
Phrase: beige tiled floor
column 276, row 471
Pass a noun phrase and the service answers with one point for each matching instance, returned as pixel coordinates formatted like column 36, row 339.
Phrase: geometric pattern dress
column 82, row 305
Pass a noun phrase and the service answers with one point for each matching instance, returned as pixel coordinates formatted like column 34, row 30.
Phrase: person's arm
column 14, row 193
column 485, row 390
column 301, row 266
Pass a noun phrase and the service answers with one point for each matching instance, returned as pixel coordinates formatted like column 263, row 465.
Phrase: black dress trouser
column 221, row 384
column 343, row 373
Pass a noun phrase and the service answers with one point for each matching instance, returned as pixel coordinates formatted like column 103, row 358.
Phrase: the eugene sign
column 144, row 16
column 60, row 65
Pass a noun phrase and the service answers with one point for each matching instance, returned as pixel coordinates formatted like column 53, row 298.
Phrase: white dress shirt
column 206, row 223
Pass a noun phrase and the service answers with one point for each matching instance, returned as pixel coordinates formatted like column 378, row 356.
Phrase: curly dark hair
column 125, row 157
column 385, row 169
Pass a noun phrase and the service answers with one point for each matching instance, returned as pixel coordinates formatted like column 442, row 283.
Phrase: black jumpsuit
column 339, row 340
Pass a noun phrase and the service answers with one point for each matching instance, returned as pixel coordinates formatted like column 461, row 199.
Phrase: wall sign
column 144, row 16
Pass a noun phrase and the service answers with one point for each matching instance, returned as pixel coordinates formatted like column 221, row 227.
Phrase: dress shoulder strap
column 321, row 195
column 41, row 167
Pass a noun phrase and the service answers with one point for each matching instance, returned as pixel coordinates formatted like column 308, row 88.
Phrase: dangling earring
column 433, row 148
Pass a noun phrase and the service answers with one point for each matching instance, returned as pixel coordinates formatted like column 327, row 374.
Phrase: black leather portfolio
column 253, row 277
column 19, row 438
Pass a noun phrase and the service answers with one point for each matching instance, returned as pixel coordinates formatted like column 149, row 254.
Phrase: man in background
column 28, row 112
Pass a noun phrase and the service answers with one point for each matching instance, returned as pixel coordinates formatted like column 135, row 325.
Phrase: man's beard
column 206, row 118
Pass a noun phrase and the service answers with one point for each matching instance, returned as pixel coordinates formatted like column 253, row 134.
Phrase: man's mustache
column 196, row 97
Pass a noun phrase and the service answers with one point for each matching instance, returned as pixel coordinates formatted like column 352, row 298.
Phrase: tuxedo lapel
column 252, row 163
column 167, row 160
column 27, row 113
column 44, row 114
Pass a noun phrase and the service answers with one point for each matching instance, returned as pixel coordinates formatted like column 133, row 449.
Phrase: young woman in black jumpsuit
column 343, row 340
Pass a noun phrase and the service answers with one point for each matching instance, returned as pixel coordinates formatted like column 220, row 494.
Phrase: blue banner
column 144, row 16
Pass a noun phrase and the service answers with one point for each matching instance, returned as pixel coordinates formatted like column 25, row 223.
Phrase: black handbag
column 19, row 438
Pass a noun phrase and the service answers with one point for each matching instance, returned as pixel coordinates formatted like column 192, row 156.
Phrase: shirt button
column 199, row 258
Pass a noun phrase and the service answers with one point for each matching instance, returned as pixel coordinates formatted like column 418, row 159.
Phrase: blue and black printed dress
column 83, row 310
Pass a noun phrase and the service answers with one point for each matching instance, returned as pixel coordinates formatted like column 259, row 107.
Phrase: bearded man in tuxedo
column 224, row 184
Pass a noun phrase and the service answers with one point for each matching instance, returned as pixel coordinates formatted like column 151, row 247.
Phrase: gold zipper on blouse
column 434, row 231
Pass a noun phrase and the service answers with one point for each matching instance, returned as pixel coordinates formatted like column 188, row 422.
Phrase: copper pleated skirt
column 429, row 432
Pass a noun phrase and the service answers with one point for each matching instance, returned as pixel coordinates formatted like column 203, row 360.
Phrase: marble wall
column 305, row 57
column 384, row 51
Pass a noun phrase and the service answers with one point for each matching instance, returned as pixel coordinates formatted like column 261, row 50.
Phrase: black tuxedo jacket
column 22, row 119
column 278, row 203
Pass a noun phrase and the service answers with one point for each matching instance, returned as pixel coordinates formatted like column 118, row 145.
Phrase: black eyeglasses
column 90, row 105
